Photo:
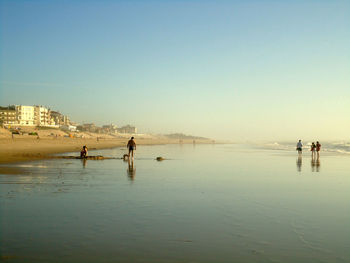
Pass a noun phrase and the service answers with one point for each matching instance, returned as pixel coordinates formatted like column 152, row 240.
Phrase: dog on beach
column 125, row 157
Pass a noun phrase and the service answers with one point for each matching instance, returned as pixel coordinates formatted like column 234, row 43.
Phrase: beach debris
column 159, row 158
column 125, row 157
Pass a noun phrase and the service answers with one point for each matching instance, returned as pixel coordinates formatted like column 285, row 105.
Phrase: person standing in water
column 131, row 146
column 313, row 149
column 299, row 147
column 318, row 148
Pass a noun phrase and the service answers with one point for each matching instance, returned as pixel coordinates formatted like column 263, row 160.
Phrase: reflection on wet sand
column 119, row 217
column 84, row 161
column 315, row 164
column 299, row 163
column 131, row 169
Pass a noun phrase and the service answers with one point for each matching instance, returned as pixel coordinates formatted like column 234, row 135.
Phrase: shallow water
column 208, row 203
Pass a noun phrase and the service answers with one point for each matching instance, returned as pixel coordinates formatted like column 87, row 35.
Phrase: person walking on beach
column 131, row 146
column 299, row 147
column 313, row 149
column 318, row 148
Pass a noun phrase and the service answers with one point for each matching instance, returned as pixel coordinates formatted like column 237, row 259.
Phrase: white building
column 34, row 116
column 42, row 116
column 25, row 115
column 71, row 128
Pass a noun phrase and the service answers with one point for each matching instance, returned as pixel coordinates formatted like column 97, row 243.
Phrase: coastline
column 29, row 149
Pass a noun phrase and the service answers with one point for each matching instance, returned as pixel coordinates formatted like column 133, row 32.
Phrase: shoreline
column 30, row 149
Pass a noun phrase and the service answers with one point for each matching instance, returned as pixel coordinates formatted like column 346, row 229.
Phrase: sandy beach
column 27, row 148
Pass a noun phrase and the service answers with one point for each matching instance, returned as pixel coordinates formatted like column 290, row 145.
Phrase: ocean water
column 332, row 147
column 206, row 203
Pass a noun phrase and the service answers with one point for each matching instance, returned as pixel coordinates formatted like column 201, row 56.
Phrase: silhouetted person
column 131, row 146
column 299, row 147
column 313, row 150
column 84, row 152
column 318, row 149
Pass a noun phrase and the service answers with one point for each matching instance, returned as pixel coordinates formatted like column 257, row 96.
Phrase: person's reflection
column 315, row 164
column 131, row 169
column 299, row 163
column 318, row 164
column 84, row 161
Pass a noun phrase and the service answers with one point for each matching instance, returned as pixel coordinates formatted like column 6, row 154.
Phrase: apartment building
column 127, row 129
column 59, row 119
column 88, row 127
column 25, row 115
column 22, row 115
column 42, row 116
column 8, row 115
column 110, row 128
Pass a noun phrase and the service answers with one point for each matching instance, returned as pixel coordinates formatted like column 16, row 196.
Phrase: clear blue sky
column 224, row 69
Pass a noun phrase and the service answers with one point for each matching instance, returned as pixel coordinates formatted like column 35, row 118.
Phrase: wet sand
column 27, row 148
column 208, row 203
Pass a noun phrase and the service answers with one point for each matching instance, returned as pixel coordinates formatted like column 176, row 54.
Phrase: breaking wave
column 331, row 147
